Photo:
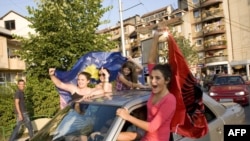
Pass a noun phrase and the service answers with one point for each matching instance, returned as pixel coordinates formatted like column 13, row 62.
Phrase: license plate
column 226, row 100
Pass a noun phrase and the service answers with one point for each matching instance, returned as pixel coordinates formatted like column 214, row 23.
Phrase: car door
column 215, row 125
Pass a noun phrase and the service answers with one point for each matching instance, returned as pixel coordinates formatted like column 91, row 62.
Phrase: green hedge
column 41, row 98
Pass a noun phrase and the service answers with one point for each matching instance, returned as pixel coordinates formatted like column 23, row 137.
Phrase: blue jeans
column 26, row 121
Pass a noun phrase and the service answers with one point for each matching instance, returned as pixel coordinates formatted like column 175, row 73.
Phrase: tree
column 65, row 30
column 188, row 50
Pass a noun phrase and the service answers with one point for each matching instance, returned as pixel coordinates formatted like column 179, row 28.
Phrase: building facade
column 11, row 66
column 221, row 31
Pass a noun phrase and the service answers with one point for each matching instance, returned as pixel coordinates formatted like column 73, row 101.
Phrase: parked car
column 230, row 88
column 97, row 113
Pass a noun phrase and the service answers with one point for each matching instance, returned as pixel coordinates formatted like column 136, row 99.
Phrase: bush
column 7, row 117
column 41, row 98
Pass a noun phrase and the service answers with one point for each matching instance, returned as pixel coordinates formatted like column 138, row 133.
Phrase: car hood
column 229, row 104
column 226, row 88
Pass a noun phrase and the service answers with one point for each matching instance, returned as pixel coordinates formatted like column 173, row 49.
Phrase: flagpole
column 122, row 30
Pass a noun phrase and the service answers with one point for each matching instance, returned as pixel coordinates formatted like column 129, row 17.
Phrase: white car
column 94, row 115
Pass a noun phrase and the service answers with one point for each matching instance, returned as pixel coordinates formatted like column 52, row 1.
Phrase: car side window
column 210, row 116
column 140, row 113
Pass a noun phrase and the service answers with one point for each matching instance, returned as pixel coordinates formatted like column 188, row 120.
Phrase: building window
column 198, row 27
column 10, row 25
column 196, row 14
column 198, row 42
column 201, row 55
column 178, row 14
column 195, row 1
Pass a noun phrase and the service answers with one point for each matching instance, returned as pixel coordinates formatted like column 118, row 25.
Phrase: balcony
column 205, row 3
column 213, row 59
column 199, row 48
column 215, row 44
column 214, row 28
column 212, row 14
column 215, row 48
column 16, row 64
column 213, row 32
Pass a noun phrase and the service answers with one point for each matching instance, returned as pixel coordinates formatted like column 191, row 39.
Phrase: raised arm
column 153, row 53
column 131, row 84
column 107, row 86
column 139, row 67
column 67, row 87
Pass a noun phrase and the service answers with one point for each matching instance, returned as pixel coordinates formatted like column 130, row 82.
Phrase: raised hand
column 52, row 71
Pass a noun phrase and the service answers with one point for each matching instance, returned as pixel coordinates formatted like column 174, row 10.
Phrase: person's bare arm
column 131, row 84
column 128, row 136
column 20, row 115
column 67, row 87
column 153, row 53
column 107, row 87
column 124, row 114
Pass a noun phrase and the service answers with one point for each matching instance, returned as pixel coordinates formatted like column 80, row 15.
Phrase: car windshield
column 231, row 80
column 77, row 121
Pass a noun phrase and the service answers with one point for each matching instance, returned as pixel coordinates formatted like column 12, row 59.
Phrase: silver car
column 96, row 119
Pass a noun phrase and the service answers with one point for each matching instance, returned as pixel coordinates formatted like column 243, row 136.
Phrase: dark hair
column 133, row 74
column 20, row 80
column 86, row 74
column 105, row 69
column 165, row 69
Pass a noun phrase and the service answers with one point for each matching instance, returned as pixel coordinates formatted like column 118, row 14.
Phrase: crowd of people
column 159, row 114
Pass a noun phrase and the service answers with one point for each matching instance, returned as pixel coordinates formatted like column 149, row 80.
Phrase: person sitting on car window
column 81, row 90
column 161, row 104
column 127, row 78
column 104, row 83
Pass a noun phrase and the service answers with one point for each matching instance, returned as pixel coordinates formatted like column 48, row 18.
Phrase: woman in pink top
column 161, row 104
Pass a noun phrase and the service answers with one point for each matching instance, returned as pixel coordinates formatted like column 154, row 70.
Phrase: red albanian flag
column 189, row 119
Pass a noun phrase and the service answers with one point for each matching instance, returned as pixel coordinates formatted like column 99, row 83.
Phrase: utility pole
column 122, row 30
column 122, row 27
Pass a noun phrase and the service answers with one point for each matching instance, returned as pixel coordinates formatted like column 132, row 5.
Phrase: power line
column 21, row 8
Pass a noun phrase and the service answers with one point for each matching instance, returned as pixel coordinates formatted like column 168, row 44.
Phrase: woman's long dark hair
column 133, row 76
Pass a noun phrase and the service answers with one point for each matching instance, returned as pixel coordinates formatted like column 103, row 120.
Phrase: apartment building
column 221, row 31
column 140, row 39
column 129, row 26
column 11, row 66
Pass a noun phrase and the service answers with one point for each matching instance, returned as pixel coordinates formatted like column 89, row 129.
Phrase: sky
column 130, row 8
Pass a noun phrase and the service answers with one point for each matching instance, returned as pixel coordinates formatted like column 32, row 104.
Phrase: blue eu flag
column 90, row 63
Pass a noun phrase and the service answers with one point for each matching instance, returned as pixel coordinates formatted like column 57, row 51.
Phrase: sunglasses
column 102, row 74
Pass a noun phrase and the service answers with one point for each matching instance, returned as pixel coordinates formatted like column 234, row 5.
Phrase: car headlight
column 213, row 94
column 240, row 93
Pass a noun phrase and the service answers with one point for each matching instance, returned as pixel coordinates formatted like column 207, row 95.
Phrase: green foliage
column 65, row 31
column 7, row 116
column 188, row 50
column 41, row 97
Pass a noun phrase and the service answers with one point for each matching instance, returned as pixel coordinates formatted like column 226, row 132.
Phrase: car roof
column 122, row 98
